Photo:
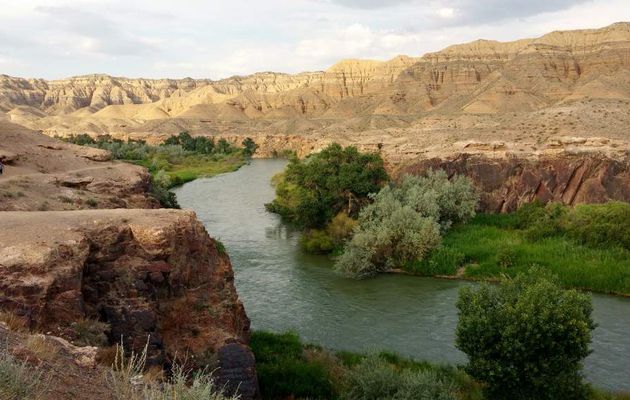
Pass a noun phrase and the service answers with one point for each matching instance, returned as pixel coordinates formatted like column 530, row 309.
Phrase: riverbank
column 288, row 368
column 283, row 288
column 494, row 245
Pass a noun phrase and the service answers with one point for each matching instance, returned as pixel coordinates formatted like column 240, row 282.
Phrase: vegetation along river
column 284, row 289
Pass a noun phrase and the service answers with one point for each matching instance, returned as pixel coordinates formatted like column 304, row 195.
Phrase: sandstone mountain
column 530, row 95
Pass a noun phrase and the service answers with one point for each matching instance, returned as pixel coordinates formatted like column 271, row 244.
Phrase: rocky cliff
column 505, row 183
column 151, row 275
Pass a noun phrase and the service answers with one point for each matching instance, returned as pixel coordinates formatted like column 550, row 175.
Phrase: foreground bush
column 129, row 381
column 375, row 379
column 526, row 338
column 18, row 381
column 404, row 223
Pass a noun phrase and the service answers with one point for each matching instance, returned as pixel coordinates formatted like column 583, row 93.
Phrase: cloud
column 87, row 31
column 371, row 4
column 220, row 38
column 471, row 11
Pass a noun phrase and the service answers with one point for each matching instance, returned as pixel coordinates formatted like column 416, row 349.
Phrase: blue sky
column 220, row 38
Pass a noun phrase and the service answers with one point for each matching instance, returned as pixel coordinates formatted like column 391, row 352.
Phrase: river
column 284, row 289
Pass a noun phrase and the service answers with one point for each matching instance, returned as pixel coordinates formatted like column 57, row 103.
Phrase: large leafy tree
column 312, row 191
column 526, row 338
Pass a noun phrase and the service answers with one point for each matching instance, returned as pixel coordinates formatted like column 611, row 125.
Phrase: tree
column 312, row 191
column 526, row 338
column 223, row 146
column 249, row 147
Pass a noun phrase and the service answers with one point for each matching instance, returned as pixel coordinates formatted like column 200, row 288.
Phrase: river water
column 284, row 289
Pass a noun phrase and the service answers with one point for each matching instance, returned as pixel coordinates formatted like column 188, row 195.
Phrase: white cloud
column 219, row 38
column 446, row 12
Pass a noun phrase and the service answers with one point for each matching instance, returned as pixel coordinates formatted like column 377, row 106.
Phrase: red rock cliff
column 147, row 273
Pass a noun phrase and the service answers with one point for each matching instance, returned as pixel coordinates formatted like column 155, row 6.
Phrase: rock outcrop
column 151, row 275
column 507, row 182
column 42, row 173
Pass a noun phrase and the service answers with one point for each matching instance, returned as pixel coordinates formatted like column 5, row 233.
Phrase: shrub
column 548, row 222
column 601, row 224
column 375, row 379
column 249, row 147
column 130, row 381
column 90, row 332
column 341, row 228
column 526, row 338
column 404, row 223
column 317, row 241
column 389, row 235
column 19, row 381
column 160, row 184
column 448, row 201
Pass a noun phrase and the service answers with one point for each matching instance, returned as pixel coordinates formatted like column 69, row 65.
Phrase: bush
column 341, row 228
column 526, row 338
column 129, row 381
column 404, row 223
column 19, row 381
column 316, row 241
column 601, row 225
column 332, row 239
column 546, row 222
column 375, row 379
column 160, row 184
column 448, row 201
column 389, row 236
column 283, row 370
column 89, row 332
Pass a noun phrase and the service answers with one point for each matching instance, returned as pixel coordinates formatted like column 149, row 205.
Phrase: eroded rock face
column 151, row 275
column 506, row 183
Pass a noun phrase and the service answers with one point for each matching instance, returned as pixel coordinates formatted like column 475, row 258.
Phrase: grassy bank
column 178, row 160
column 289, row 369
column 495, row 244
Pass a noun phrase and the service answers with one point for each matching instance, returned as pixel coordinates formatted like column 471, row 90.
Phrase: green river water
column 284, row 289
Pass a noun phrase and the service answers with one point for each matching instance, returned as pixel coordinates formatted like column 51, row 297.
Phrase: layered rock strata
column 507, row 182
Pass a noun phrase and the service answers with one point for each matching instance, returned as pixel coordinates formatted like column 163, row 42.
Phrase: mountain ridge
column 482, row 91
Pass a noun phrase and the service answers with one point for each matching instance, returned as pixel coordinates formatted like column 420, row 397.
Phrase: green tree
column 526, row 338
column 223, row 146
column 249, row 147
column 312, row 191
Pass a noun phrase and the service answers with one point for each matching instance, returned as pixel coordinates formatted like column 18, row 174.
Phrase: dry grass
column 13, row 322
column 41, row 347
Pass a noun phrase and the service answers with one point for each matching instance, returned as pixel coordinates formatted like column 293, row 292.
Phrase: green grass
column 493, row 245
column 287, row 368
column 187, row 168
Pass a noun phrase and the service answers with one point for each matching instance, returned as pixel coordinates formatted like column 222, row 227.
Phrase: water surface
column 284, row 289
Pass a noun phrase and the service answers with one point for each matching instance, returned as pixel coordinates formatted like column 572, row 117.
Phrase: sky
column 215, row 39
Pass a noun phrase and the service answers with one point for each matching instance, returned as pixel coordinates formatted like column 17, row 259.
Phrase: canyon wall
column 506, row 183
column 151, row 275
